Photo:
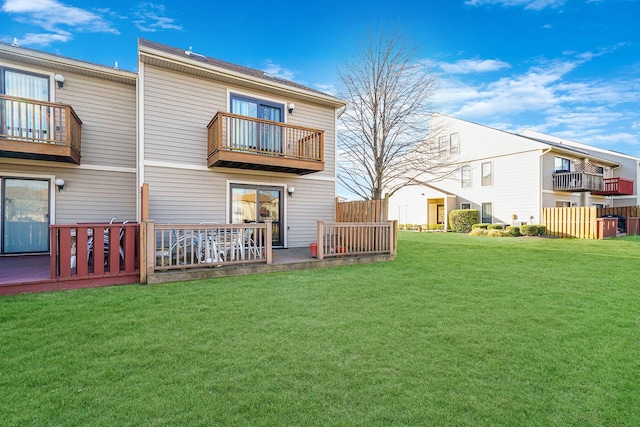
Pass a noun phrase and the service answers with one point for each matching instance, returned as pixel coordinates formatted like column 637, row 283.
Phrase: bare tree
column 382, row 145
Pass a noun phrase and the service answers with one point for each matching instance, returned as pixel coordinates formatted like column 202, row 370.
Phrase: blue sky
column 570, row 68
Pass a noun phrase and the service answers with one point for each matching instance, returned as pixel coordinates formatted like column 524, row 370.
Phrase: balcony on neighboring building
column 577, row 181
column 244, row 142
column 38, row 130
column 615, row 187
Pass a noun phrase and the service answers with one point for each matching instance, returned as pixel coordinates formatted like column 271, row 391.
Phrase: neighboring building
column 81, row 130
column 216, row 142
column 509, row 178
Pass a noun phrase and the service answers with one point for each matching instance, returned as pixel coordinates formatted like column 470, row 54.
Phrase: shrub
column 533, row 230
column 512, row 231
column 478, row 231
column 495, row 227
column 402, row 227
column 435, row 227
column 494, row 232
column 461, row 220
column 482, row 226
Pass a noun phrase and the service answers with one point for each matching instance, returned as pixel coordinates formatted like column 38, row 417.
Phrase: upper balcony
column 244, row 142
column 38, row 130
column 577, row 181
column 616, row 187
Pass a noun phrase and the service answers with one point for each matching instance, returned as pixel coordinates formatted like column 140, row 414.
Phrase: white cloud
column 53, row 16
column 466, row 66
column 278, row 71
column 45, row 39
column 527, row 4
column 328, row 88
column 152, row 17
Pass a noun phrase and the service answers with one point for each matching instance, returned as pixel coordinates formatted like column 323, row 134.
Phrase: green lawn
column 459, row 330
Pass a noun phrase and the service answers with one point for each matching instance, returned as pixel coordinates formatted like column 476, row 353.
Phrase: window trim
column 489, row 176
column 482, row 217
column 462, row 205
column 462, row 176
column 454, row 149
column 272, row 102
column 562, row 168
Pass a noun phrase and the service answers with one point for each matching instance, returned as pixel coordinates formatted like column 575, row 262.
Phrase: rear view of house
column 67, row 145
column 229, row 144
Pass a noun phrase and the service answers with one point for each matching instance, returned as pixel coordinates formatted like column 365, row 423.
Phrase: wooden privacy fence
column 356, row 238
column 585, row 222
column 99, row 250
column 362, row 210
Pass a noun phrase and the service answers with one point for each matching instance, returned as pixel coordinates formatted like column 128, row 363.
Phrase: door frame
column 4, row 174
column 283, row 209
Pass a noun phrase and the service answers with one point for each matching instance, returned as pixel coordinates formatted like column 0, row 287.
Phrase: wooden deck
column 31, row 273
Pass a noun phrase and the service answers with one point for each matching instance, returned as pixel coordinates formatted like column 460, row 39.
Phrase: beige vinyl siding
column 108, row 113
column 105, row 183
column 107, row 110
column 178, row 108
column 193, row 196
column 89, row 195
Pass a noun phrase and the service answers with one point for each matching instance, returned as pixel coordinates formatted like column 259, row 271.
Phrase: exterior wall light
column 59, row 78
column 291, row 190
column 60, row 184
column 291, row 107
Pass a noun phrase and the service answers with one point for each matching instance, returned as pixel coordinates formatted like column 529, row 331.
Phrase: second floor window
column 465, row 176
column 562, row 164
column 454, row 144
column 252, row 134
column 487, row 174
column 442, row 145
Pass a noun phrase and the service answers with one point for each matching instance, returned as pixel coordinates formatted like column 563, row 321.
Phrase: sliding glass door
column 20, row 119
column 251, row 135
column 254, row 203
column 25, row 215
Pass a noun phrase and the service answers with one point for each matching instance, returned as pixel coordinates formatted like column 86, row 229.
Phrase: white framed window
column 454, row 144
column 563, row 204
column 442, row 145
column 487, row 174
column 562, row 164
column 465, row 205
column 465, row 176
column 487, row 213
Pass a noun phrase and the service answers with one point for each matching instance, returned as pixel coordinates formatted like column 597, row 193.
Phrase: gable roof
column 190, row 62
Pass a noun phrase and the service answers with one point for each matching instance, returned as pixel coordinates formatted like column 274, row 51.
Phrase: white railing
column 182, row 246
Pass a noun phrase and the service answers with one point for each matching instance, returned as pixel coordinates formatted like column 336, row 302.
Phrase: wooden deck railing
column 356, row 238
column 183, row 246
column 577, row 181
column 616, row 187
column 98, row 250
column 32, row 121
column 233, row 132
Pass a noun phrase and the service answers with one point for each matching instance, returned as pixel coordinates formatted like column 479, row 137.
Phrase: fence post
column 268, row 242
column 394, row 237
column 147, row 250
column 320, row 243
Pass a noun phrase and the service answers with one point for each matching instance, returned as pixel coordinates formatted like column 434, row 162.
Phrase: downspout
column 541, row 181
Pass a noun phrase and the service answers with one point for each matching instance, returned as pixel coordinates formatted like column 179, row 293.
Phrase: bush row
column 420, row 227
column 500, row 230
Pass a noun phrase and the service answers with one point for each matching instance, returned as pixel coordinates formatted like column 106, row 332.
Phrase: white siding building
column 509, row 178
